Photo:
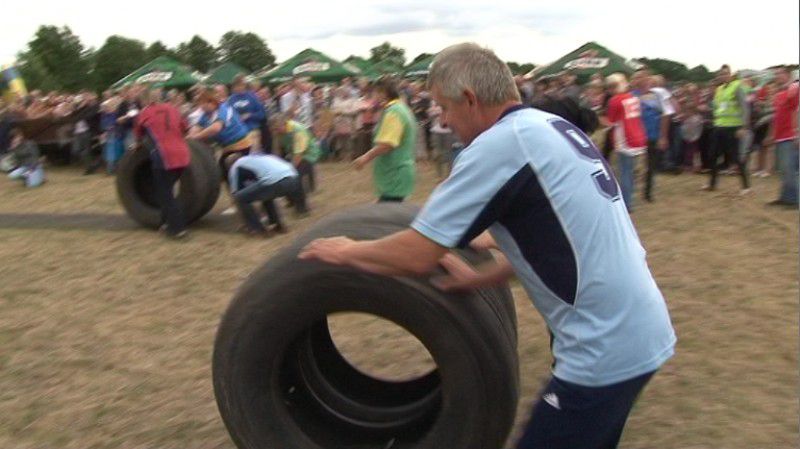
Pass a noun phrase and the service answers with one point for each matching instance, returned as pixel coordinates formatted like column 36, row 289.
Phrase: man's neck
column 493, row 113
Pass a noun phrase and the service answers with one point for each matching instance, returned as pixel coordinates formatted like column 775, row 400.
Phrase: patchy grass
column 106, row 330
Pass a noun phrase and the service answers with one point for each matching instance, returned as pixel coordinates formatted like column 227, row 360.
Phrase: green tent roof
column 386, row 68
column 419, row 68
column 371, row 70
column 588, row 59
column 362, row 64
column 225, row 73
column 313, row 64
column 161, row 72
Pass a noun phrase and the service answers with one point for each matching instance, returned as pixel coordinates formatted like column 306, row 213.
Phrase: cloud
column 522, row 30
column 392, row 19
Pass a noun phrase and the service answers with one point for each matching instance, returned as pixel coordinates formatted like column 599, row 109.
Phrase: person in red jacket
column 784, row 134
column 160, row 128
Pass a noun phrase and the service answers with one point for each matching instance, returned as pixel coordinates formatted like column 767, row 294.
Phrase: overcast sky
column 745, row 35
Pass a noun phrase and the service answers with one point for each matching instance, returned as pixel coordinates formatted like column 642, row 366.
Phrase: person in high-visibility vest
column 731, row 123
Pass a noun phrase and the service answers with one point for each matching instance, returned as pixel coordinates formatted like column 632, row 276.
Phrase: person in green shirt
column 392, row 145
column 299, row 145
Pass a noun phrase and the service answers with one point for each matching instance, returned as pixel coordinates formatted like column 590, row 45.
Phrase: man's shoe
column 301, row 214
column 782, row 203
column 280, row 229
column 178, row 236
column 254, row 233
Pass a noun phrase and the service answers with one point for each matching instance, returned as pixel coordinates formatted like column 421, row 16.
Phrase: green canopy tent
column 161, row 72
column 386, row 68
column 419, row 68
column 585, row 61
column 363, row 65
column 310, row 63
column 373, row 71
column 225, row 74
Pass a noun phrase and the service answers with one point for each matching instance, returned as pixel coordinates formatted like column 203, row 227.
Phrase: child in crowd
column 29, row 168
column 691, row 130
column 113, row 145
column 442, row 140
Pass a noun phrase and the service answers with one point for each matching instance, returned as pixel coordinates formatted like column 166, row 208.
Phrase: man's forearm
column 377, row 150
column 399, row 254
column 207, row 133
column 381, row 257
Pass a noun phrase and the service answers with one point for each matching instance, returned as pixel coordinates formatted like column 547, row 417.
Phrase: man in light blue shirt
column 551, row 204
column 264, row 177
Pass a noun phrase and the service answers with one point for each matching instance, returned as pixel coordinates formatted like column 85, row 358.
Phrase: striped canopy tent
column 310, row 63
column 225, row 74
column 161, row 72
column 419, row 68
column 588, row 59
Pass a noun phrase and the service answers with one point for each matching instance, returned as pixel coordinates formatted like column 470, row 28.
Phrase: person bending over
column 264, row 177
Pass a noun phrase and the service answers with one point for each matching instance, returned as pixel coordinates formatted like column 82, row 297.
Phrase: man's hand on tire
column 330, row 250
column 460, row 275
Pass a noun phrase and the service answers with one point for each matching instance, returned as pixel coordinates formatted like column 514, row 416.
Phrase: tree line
column 56, row 59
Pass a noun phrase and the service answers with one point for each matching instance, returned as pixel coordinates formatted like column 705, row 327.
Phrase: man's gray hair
column 470, row 66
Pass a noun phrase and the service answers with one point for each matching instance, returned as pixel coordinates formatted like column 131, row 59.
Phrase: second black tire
column 198, row 187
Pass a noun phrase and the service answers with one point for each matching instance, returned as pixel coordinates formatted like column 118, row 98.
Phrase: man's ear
column 470, row 97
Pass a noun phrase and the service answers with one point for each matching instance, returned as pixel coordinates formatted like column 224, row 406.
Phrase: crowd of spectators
column 678, row 120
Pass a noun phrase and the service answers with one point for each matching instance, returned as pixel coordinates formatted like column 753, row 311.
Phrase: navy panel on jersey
column 522, row 207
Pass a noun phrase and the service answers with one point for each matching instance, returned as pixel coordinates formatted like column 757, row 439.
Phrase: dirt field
column 106, row 329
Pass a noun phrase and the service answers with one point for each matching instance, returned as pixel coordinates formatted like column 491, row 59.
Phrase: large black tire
column 204, row 154
column 135, row 188
column 280, row 382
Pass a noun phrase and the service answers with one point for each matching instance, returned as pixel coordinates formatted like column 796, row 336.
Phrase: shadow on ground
column 103, row 222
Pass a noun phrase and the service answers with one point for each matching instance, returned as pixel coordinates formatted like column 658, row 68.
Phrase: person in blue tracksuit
column 252, row 112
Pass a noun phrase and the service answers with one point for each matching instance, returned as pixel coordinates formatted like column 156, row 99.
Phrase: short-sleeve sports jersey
column 233, row 130
column 624, row 112
column 553, row 206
